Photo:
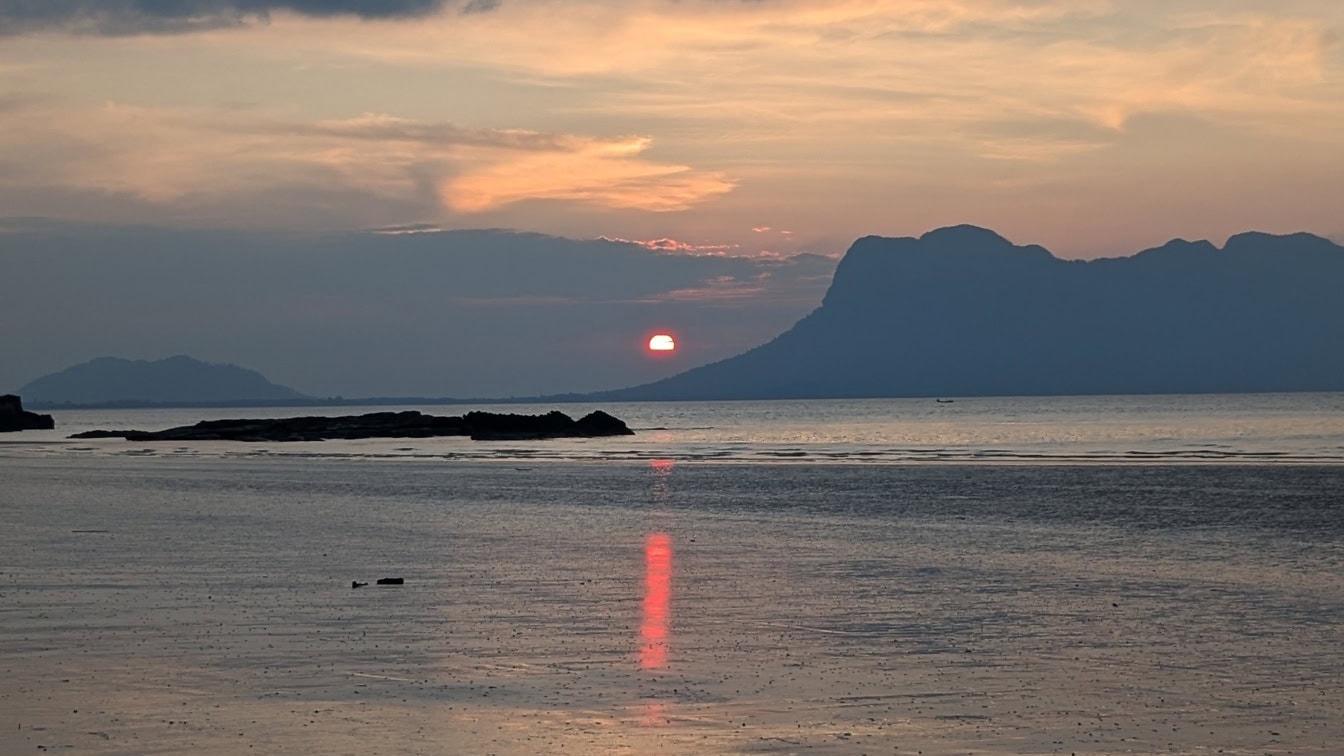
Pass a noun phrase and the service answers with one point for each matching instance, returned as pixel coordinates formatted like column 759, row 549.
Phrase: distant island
column 961, row 311
column 175, row 381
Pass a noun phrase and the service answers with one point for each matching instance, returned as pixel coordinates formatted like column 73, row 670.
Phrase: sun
column 662, row 342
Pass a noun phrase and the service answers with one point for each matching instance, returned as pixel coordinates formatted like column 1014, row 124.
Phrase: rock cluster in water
column 480, row 426
column 13, row 417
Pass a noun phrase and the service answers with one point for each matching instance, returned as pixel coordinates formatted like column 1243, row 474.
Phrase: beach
column 160, row 605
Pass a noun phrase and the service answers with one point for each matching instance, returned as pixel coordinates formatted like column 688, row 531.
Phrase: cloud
column 792, row 72
column 118, row 17
column 674, row 245
column 408, row 228
column 247, row 165
column 720, row 289
column 609, row 173
column 380, row 127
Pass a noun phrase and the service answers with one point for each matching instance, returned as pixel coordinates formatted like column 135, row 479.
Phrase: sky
column 745, row 129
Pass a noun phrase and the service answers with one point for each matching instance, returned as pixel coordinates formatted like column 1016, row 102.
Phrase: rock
column 490, row 426
column 104, row 434
column 391, row 581
column 409, row 424
column 599, row 423
column 13, row 417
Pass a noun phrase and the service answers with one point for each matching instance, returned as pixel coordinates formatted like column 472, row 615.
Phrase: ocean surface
column 1098, row 575
column 1296, row 428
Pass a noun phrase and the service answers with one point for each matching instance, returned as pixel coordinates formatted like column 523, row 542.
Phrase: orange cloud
column 199, row 158
column 606, row 173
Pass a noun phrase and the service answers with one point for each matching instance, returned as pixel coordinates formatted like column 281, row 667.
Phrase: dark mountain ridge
column 961, row 311
column 172, row 381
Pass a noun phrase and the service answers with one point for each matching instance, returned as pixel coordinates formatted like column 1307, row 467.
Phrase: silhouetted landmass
column 961, row 311
column 480, row 426
column 175, row 381
column 13, row 417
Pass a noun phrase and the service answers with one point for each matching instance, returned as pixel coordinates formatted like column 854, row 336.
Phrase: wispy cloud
column 923, row 70
column 609, row 173
column 199, row 159
column 721, row 289
column 673, row 245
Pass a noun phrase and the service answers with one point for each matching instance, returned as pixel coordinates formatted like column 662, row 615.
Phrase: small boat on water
column 944, row 401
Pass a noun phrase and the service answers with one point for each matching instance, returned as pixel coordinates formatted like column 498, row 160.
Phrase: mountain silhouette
column 961, row 311
column 175, row 380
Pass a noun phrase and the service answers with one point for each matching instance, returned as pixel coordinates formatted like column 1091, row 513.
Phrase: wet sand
column 164, row 606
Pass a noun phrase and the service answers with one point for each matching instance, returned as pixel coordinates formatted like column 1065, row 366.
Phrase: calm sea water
column 1092, row 575
column 1291, row 428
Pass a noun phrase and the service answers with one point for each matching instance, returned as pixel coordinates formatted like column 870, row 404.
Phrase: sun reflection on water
column 657, row 601
column 662, row 479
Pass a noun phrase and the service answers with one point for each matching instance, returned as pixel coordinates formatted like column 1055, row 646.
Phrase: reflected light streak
column 657, row 601
column 662, row 474
column 653, row 714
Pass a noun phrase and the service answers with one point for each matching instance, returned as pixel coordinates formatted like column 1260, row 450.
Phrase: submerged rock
column 13, row 417
column 409, row 424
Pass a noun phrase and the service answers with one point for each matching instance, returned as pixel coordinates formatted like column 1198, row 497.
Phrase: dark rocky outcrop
column 487, row 426
column 13, row 417
column 409, row 424
column 962, row 311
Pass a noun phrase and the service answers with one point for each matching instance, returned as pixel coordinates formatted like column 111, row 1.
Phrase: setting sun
column 662, row 343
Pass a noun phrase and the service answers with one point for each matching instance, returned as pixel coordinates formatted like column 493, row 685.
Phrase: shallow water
column 170, row 605
column 1259, row 428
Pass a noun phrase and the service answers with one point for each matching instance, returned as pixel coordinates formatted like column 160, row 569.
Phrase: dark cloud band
column 167, row 16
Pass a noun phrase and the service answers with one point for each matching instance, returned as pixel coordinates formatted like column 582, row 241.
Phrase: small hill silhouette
column 175, row 380
column 961, row 311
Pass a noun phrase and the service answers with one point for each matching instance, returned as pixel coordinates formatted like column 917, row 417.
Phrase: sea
column 1100, row 575
column 1303, row 428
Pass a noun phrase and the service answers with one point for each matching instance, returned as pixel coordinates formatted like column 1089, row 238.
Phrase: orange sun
column 662, row 343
